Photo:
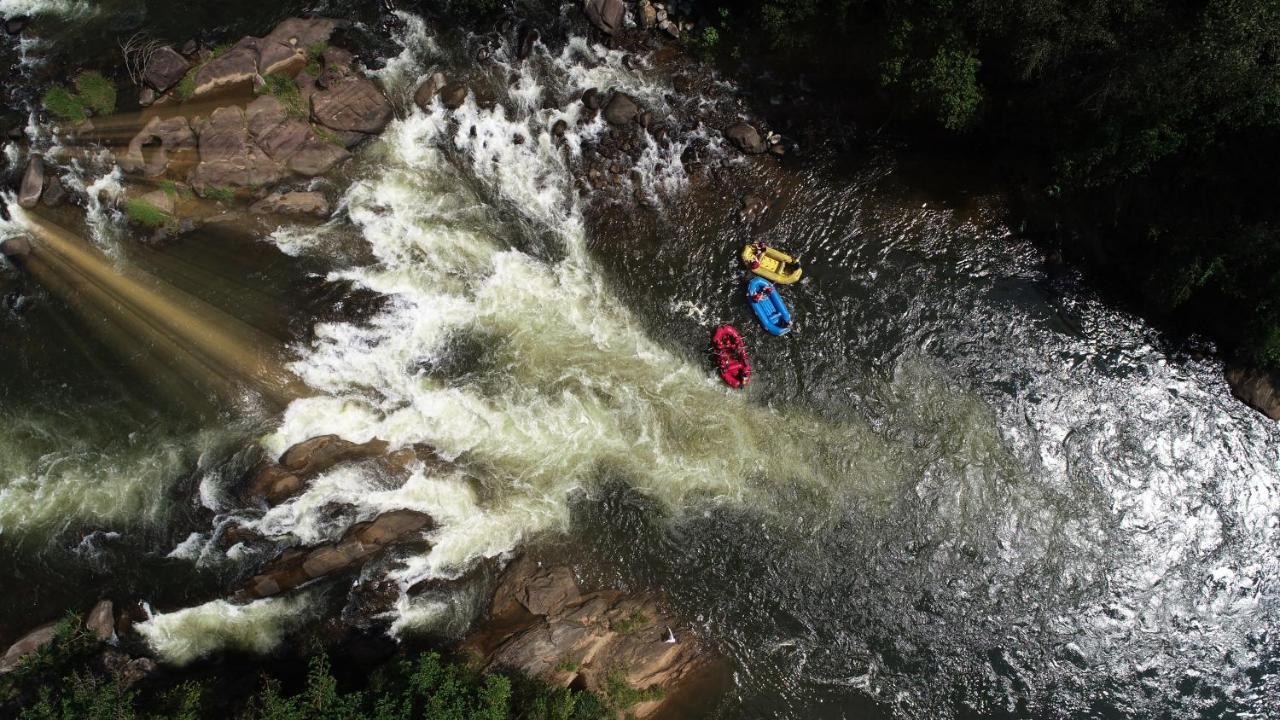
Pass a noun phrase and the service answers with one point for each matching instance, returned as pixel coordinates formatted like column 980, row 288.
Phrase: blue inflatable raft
column 773, row 314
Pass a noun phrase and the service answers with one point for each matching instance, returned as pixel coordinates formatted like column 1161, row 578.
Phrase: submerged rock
column 359, row 544
column 165, row 137
column 1256, row 388
column 32, row 183
column 454, row 94
column 321, row 453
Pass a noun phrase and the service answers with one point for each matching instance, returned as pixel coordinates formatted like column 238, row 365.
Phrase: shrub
column 620, row 695
column 63, row 104
column 187, row 85
column 285, row 90
column 96, row 92
column 630, row 624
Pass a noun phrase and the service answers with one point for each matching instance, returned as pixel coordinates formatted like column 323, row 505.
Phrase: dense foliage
column 1149, row 126
column 64, row 681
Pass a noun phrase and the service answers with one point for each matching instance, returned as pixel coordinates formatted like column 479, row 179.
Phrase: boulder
column 388, row 527
column 1256, row 388
column 54, row 192
column 454, row 94
column 26, row 645
column 32, row 183
column 127, row 671
column 289, row 140
column 288, row 43
column 560, row 127
column 540, row 622
column 165, row 137
column 293, row 203
column 321, row 453
column 621, row 110
column 235, row 68
column 352, row 104
column 528, row 37
column 745, row 137
column 426, row 93
column 16, row 24
column 102, row 621
column 165, row 67
column 228, row 155
column 591, row 98
column 605, row 14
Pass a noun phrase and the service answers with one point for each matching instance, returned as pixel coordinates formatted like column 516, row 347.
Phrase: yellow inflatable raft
column 774, row 265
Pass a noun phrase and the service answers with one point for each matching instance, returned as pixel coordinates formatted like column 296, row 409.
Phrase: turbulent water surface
column 962, row 487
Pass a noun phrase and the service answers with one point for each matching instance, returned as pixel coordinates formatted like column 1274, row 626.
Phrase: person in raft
column 757, row 296
column 741, row 375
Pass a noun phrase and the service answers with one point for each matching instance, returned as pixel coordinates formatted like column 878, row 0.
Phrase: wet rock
column 54, row 192
column 745, row 137
column 15, row 247
column 621, row 110
column 293, row 203
column 454, row 94
column 591, row 98
column 605, row 14
column 321, row 453
column 528, row 36
column 32, row 183
column 16, row 24
column 286, row 46
column 235, row 534
column 1256, row 388
column 273, row 485
column 236, row 68
column 682, row 84
column 146, row 97
column 353, row 104
column 101, row 621
column 26, row 645
column 360, row 543
column 426, row 93
column 540, row 622
column 189, row 48
column 165, row 67
column 165, row 137
column 753, row 206
column 560, row 127
column 229, row 156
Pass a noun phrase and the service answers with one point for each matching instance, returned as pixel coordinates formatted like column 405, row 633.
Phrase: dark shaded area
column 1140, row 136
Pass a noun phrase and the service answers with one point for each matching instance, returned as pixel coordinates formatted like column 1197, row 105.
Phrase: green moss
column 96, row 92
column 621, row 695
column 315, row 53
column 220, row 193
column 627, row 625
column 63, row 104
column 187, row 85
column 141, row 212
column 327, row 135
column 219, row 50
column 284, row 90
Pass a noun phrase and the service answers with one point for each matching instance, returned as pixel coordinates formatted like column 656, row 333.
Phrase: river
column 964, row 486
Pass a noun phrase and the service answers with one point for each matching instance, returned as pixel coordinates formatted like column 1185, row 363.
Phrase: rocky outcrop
column 229, row 156
column 293, row 203
column 290, row 141
column 125, row 670
column 165, row 67
column 32, row 183
column 358, row 545
column 283, row 50
column 605, row 14
column 540, row 622
column 353, row 104
column 1256, row 388
column 15, row 247
column 161, row 139
column 745, row 137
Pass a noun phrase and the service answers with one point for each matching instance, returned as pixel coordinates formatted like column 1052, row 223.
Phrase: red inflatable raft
column 731, row 355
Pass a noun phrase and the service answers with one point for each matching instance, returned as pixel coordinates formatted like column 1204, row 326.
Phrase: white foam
column 184, row 636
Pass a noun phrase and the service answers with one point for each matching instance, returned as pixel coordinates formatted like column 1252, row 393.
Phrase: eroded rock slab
column 352, row 104
column 229, row 156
